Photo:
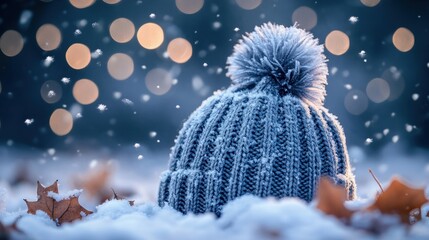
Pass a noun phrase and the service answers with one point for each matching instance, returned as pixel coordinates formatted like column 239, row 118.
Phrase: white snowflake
column 127, row 101
column 152, row 15
column 48, row 60
column 395, row 138
column 102, row 107
column 77, row 32
column 97, row 53
column 368, row 141
column 415, row 96
column 51, row 94
column 353, row 19
column 236, row 29
column 28, row 122
column 65, row 80
column 153, row 134
column 140, row 157
column 362, row 53
column 136, row 145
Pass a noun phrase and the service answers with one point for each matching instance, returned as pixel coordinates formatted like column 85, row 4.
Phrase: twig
column 376, row 179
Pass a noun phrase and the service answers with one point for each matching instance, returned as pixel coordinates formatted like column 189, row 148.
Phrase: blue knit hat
column 268, row 134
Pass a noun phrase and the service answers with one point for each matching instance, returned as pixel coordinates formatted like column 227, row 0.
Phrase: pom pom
column 290, row 59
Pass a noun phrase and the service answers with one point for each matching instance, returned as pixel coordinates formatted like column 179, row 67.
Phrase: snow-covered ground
column 245, row 218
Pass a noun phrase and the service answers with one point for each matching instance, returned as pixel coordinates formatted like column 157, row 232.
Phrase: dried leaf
column 400, row 199
column 65, row 210
column 116, row 197
column 95, row 183
column 331, row 199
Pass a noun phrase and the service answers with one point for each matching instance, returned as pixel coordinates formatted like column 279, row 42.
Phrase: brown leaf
column 331, row 199
column 116, row 197
column 65, row 210
column 400, row 199
column 95, row 183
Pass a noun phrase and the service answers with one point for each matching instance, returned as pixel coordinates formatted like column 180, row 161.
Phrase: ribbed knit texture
column 254, row 139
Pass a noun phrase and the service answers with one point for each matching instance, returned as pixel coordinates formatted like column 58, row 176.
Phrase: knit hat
column 268, row 134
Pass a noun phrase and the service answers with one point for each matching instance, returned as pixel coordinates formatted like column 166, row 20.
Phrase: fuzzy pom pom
column 290, row 59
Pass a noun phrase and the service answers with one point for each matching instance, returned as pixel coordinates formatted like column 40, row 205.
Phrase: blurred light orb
column 81, row 3
column 120, row 66
column 61, row 122
column 248, row 4
column 48, row 37
column 111, row 1
column 370, row 3
column 122, row 30
column 78, row 56
column 158, row 81
column 85, row 91
column 150, row 36
column 356, row 102
column 403, row 39
column 337, row 42
column 305, row 17
column 179, row 50
column 189, row 6
column 396, row 82
column 11, row 43
column 378, row 90
column 51, row 91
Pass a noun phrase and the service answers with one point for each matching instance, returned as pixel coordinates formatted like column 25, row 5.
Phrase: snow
column 247, row 218
column 66, row 196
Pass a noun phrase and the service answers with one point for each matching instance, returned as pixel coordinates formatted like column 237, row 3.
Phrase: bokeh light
column 158, row 81
column 248, row 4
column 48, row 37
column 78, row 56
column 120, row 66
column 111, row 1
column 337, row 42
column 51, row 91
column 122, row 30
column 150, row 35
column 11, row 43
column 396, row 82
column 356, row 102
column 378, row 90
column 305, row 17
column 370, row 3
column 179, row 50
column 403, row 39
column 85, row 91
column 61, row 122
column 189, row 6
column 81, row 3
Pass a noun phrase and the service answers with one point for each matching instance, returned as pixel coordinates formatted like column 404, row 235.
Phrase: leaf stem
column 376, row 179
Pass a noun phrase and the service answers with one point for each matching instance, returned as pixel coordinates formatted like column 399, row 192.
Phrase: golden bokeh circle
column 48, row 37
column 61, row 122
column 11, row 43
column 111, row 1
column 370, row 3
column 189, row 6
column 78, row 56
column 248, row 4
column 337, row 42
column 403, row 39
column 85, row 91
column 81, row 3
column 120, row 66
column 179, row 50
column 150, row 35
column 305, row 17
column 122, row 30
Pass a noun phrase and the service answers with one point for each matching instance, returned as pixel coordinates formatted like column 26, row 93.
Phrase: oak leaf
column 61, row 210
column 402, row 200
column 331, row 198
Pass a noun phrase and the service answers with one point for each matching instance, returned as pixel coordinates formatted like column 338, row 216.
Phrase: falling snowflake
column 145, row 97
column 408, row 127
column 236, row 29
column 205, row 64
column 97, row 53
column 51, row 94
column 217, row 25
column 368, row 141
column 51, row 151
column 415, row 96
column 177, row 106
column 117, row 95
column 48, row 60
column 395, row 138
column 78, row 115
column 28, row 122
column 386, row 131
column 136, row 145
column 77, row 32
column 65, row 80
column 348, row 86
column 353, row 19
column 152, row 15
column 362, row 53
column 140, row 157
column 127, row 101
column 102, row 107
column 152, row 134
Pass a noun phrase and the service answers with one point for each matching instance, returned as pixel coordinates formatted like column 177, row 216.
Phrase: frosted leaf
column 102, row 107
column 353, row 19
column 28, row 122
